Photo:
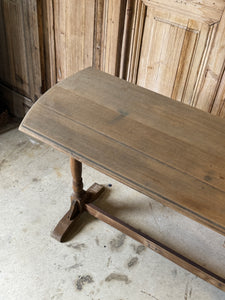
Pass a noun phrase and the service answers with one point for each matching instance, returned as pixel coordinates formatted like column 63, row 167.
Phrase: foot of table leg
column 67, row 221
column 79, row 198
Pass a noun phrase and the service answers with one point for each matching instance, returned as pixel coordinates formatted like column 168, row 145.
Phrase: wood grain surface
column 165, row 149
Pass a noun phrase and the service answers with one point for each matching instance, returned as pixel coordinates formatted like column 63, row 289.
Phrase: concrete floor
column 98, row 262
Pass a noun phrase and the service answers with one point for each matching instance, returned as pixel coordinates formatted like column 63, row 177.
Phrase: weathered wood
column 112, row 35
column 205, row 11
column 74, row 31
column 132, row 37
column 175, row 48
column 174, row 54
column 98, row 27
column 18, row 105
column 219, row 104
column 164, row 149
column 212, row 93
column 20, row 72
column 19, row 54
column 46, row 30
column 66, row 223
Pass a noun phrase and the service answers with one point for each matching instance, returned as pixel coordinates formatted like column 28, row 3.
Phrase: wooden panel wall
column 74, row 29
column 212, row 91
column 112, row 34
column 19, row 51
column 20, row 60
column 219, row 104
column 88, row 33
column 177, row 49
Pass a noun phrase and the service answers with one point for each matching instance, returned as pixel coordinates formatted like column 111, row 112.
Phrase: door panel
column 171, row 44
column 172, row 52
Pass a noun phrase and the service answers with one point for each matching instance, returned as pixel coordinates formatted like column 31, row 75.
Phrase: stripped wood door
column 176, row 48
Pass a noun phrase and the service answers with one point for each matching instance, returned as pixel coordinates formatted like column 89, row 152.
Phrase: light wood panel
column 211, row 82
column 208, row 11
column 74, row 28
column 88, row 32
column 98, row 28
column 172, row 45
column 47, row 43
column 112, row 24
column 219, row 104
column 171, row 54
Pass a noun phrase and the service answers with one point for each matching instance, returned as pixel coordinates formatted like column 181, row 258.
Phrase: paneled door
column 176, row 48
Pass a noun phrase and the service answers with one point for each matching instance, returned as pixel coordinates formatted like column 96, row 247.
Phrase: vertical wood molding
column 133, row 34
column 198, row 88
column 4, row 51
column 97, row 39
column 30, row 18
column 126, row 41
column 219, row 103
column 120, row 36
column 47, row 43
column 112, row 35
column 211, row 89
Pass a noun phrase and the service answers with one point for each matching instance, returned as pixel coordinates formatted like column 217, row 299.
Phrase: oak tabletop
column 167, row 150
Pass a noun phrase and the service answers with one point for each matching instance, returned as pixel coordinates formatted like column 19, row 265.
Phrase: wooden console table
column 164, row 149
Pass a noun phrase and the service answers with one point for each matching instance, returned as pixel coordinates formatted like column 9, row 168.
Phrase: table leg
column 78, row 199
